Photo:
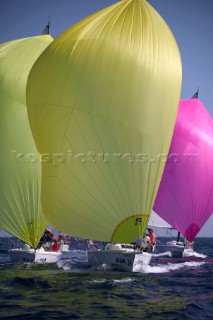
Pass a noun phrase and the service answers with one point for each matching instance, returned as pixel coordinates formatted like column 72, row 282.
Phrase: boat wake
column 186, row 254
column 158, row 268
column 164, row 268
column 163, row 254
column 193, row 254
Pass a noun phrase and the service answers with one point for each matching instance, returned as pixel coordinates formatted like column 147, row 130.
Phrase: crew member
column 152, row 238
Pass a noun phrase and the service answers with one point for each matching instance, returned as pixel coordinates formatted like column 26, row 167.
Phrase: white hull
column 176, row 252
column 176, row 249
column 31, row 255
column 124, row 260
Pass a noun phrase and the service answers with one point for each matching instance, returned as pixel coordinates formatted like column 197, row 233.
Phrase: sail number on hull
column 124, row 261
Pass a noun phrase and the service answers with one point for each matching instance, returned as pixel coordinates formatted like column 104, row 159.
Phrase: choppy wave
column 168, row 288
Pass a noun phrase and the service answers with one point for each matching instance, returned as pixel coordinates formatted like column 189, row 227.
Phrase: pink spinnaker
column 185, row 195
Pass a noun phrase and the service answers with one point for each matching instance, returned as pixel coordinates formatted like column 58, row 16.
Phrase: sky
column 191, row 22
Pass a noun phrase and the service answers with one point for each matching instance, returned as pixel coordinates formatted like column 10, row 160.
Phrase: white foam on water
column 103, row 267
column 125, row 280
column 64, row 264
column 191, row 253
column 163, row 254
column 162, row 268
column 98, row 281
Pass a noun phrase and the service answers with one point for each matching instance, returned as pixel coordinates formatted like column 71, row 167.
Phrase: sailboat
column 175, row 248
column 98, row 116
column 185, row 195
column 20, row 185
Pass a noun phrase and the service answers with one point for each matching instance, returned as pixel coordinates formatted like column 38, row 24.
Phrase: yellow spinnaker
column 20, row 183
column 102, row 102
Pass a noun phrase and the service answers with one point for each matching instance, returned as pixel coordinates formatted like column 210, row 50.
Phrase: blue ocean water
column 166, row 289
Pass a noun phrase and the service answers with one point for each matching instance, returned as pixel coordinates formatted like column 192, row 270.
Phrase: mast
column 178, row 237
column 195, row 96
column 47, row 28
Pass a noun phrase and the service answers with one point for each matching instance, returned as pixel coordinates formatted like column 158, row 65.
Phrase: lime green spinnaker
column 20, row 183
column 102, row 102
